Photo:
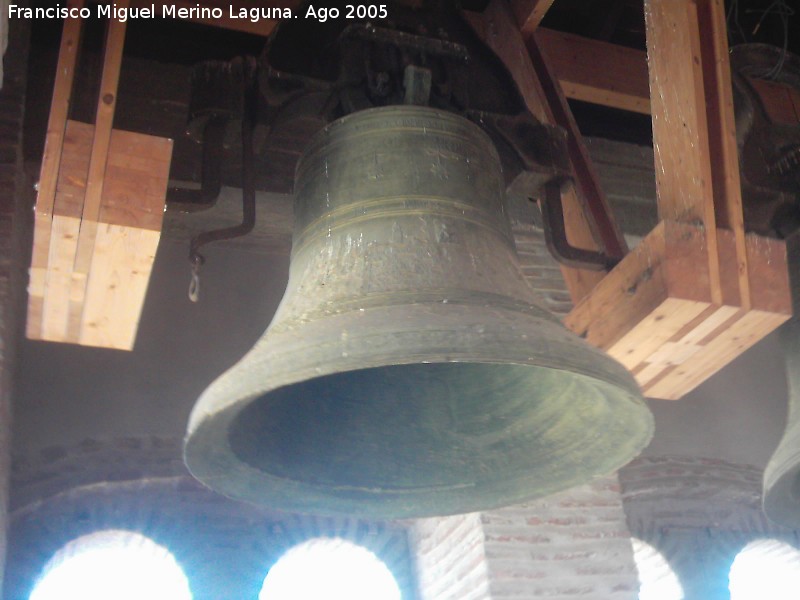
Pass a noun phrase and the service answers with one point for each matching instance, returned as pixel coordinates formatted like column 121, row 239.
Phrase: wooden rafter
column 597, row 72
column 497, row 28
column 529, row 13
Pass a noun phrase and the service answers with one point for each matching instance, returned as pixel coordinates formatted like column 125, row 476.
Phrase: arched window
column 765, row 568
column 657, row 580
column 329, row 568
column 112, row 564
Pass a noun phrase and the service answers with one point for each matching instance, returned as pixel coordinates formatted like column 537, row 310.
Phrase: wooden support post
column 697, row 291
column 112, row 62
column 723, row 150
column 680, row 128
column 497, row 28
column 48, row 176
column 595, row 202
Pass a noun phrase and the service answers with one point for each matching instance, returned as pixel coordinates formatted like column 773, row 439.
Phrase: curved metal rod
column 192, row 200
column 248, row 190
column 555, row 235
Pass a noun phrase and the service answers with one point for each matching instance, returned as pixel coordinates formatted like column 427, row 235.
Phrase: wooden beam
column 529, row 13
column 723, row 149
column 616, row 76
column 497, row 29
column 605, row 227
column 597, row 72
column 680, row 126
column 692, row 296
column 112, row 62
column 51, row 163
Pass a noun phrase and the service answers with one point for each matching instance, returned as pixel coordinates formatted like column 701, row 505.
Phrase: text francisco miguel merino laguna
column 112, row 11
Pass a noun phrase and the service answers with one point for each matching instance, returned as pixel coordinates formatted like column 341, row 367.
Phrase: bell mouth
column 418, row 440
column 406, row 428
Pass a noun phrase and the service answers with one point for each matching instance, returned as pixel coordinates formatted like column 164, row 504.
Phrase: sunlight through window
column 766, row 569
column 112, row 564
column 657, row 580
column 329, row 568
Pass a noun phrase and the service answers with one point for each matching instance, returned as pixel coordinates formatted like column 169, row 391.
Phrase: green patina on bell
column 408, row 371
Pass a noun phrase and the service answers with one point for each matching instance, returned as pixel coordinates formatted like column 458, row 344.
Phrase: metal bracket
column 555, row 234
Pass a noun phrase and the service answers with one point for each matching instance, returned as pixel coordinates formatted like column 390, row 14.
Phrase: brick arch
column 699, row 513
column 127, row 545
column 199, row 527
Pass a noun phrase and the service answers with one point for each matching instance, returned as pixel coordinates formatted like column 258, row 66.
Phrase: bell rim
column 208, row 455
column 780, row 501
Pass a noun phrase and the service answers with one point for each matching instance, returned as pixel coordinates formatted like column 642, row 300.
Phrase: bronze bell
column 408, row 371
column 782, row 475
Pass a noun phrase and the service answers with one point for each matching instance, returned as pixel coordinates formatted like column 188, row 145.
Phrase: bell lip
column 228, row 475
column 208, row 456
column 780, row 502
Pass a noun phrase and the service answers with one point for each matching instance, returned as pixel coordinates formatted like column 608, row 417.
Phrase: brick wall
column 450, row 558
column 574, row 544
column 14, row 196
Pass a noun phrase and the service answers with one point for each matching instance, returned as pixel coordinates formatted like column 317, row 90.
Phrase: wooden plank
column 655, row 330
column 529, row 13
column 723, row 149
column 112, row 61
column 768, row 270
column 67, row 210
column 680, row 127
column 55, row 310
column 597, row 72
column 731, row 342
column 51, row 162
column 616, row 76
column 604, row 226
column 499, row 31
column 121, row 267
column 135, row 180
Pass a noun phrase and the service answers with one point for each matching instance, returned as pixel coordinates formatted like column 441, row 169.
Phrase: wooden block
column 655, row 313
column 120, row 273
column 649, row 275
column 102, row 307
column 648, row 336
